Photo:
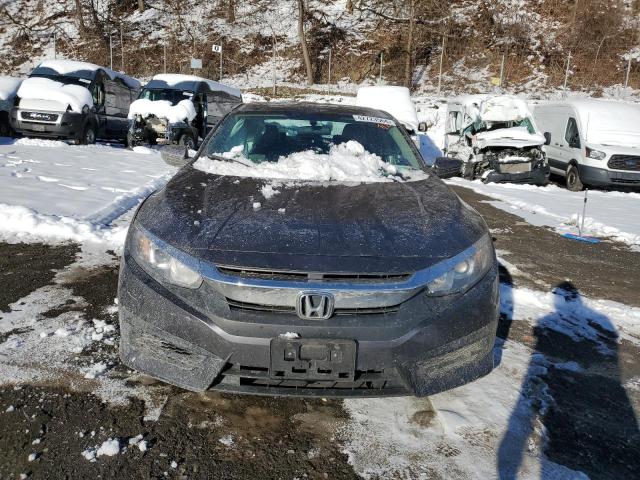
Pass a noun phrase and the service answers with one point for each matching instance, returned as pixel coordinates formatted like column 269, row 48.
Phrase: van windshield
column 64, row 79
column 170, row 95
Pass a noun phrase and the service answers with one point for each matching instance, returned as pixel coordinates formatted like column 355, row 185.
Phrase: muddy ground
column 592, row 427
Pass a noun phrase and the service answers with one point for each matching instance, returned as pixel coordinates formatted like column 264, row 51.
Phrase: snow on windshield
column 38, row 88
column 346, row 162
column 163, row 109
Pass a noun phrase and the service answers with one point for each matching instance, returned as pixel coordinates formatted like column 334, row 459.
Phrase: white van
column 592, row 142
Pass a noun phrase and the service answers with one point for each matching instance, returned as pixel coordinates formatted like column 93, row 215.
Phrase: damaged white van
column 496, row 138
column 592, row 142
column 179, row 109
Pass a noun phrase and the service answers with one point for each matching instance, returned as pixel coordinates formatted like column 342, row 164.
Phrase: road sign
column 216, row 48
column 196, row 63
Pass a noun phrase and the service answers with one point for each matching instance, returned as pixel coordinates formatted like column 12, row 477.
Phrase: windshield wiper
column 225, row 159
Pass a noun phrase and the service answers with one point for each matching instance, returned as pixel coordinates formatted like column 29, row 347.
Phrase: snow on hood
column 518, row 137
column 347, row 162
column 393, row 100
column 38, row 88
column 183, row 110
column 8, row 87
column 82, row 70
column 188, row 82
column 503, row 108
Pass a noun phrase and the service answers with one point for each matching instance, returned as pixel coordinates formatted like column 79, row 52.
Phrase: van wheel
column 89, row 136
column 573, row 179
column 188, row 141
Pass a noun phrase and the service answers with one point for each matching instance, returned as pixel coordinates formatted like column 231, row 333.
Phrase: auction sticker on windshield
column 378, row 120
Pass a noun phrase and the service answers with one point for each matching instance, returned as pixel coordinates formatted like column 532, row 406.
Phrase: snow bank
column 608, row 213
column 187, row 82
column 74, row 96
column 183, row 110
column 347, row 162
column 8, row 87
column 393, row 100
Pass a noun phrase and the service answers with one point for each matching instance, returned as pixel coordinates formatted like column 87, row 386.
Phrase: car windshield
column 173, row 96
column 268, row 137
column 64, row 79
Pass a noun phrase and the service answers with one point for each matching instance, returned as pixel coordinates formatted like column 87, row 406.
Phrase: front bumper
column 422, row 350
column 67, row 125
column 538, row 176
column 601, row 177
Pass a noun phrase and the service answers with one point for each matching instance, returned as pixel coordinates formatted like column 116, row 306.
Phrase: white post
column 502, row 71
column 273, row 63
column 165, row 58
column 55, row 53
column 381, row 65
column 221, row 63
column 111, row 51
column 566, row 74
column 329, row 80
column 440, row 68
column 626, row 78
column 122, row 45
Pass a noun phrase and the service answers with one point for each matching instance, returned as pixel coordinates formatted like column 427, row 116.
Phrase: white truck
column 592, row 142
column 496, row 138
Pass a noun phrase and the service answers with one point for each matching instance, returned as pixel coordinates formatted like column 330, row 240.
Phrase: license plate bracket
column 313, row 359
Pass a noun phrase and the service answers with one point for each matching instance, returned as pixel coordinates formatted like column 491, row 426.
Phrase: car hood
column 328, row 227
column 517, row 137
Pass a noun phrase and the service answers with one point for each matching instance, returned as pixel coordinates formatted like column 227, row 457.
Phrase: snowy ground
column 62, row 336
column 54, row 191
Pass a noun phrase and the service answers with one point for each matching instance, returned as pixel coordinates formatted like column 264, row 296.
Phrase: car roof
column 308, row 107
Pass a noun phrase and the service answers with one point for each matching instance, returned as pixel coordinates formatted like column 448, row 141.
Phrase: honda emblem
column 314, row 305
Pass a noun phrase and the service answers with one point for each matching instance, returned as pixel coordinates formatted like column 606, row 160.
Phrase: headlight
column 470, row 268
column 597, row 154
column 159, row 264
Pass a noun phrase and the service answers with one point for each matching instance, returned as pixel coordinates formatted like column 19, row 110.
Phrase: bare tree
column 231, row 11
column 141, row 6
column 303, row 41
column 81, row 26
column 408, row 62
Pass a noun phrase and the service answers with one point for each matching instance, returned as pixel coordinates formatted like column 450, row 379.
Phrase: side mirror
column 547, row 138
column 175, row 155
column 422, row 127
column 447, row 167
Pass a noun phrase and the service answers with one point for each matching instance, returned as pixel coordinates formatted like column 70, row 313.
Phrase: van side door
column 554, row 121
column 117, row 101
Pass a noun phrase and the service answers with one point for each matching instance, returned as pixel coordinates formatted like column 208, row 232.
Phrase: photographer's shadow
column 572, row 396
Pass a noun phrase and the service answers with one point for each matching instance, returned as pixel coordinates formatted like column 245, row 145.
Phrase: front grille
column 294, row 276
column 624, row 162
column 245, row 377
column 40, row 117
column 236, row 306
column 521, row 167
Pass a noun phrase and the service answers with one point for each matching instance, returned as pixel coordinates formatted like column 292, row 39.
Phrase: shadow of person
column 506, row 314
column 572, row 398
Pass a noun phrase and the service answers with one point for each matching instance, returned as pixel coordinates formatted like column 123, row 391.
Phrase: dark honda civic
column 250, row 278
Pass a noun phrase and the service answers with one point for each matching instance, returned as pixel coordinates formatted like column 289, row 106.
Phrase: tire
column 188, row 141
column 88, row 136
column 573, row 181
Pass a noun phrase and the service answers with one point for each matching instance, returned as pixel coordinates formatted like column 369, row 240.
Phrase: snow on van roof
column 393, row 100
column 606, row 122
column 8, row 87
column 493, row 108
column 83, row 70
column 189, row 82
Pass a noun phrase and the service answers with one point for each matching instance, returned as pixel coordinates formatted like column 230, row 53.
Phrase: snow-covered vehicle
column 8, row 88
column 496, row 138
column 592, row 142
column 179, row 109
column 74, row 100
column 397, row 102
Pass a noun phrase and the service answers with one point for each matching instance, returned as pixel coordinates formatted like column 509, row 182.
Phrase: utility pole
column 220, row 62
column 502, row 71
column 55, row 54
column 566, row 74
column 381, row 66
column 273, row 59
column 329, row 80
column 111, row 51
column 165, row 58
column 441, row 62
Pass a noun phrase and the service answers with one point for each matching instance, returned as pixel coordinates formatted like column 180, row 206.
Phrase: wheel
column 89, row 136
column 188, row 141
column 573, row 179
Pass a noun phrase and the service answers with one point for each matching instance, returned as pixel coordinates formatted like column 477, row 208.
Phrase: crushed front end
column 508, row 164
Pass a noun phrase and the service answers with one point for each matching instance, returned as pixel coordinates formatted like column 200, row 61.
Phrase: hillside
column 534, row 37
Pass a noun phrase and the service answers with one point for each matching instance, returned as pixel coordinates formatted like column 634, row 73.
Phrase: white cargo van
column 592, row 142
